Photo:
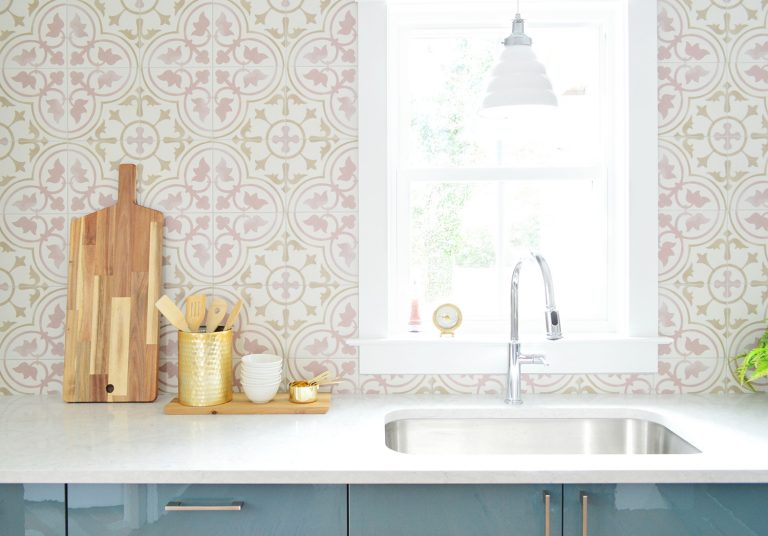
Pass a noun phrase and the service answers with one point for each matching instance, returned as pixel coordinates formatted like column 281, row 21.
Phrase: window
column 474, row 195
column 467, row 196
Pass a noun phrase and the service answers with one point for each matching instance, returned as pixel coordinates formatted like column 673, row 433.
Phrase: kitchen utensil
column 233, row 314
column 171, row 312
column 302, row 392
column 319, row 378
column 215, row 314
column 205, row 368
column 115, row 276
column 194, row 306
column 240, row 405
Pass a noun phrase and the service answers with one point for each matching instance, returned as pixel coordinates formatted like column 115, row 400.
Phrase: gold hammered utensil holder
column 205, row 368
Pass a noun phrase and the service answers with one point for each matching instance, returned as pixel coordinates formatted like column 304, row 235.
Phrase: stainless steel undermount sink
column 452, row 436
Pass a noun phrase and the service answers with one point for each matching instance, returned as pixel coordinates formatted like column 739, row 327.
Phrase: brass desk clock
column 447, row 318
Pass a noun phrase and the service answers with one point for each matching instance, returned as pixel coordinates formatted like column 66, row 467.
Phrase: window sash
column 406, row 26
column 489, row 324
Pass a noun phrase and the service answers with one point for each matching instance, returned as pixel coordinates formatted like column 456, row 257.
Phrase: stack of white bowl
column 260, row 376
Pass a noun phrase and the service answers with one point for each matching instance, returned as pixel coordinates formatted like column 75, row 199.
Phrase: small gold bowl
column 301, row 392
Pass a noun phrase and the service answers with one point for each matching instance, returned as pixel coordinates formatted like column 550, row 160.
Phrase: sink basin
column 533, row 436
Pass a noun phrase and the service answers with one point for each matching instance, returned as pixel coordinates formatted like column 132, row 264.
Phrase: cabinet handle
column 177, row 506
column 547, row 523
column 584, row 513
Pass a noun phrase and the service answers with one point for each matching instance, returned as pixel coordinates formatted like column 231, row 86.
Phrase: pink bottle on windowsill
column 414, row 322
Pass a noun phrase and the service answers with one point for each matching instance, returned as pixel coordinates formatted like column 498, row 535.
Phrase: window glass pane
column 444, row 74
column 466, row 237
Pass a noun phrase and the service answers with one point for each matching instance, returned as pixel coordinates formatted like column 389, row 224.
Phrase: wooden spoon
column 215, row 314
column 170, row 311
column 233, row 315
column 195, row 308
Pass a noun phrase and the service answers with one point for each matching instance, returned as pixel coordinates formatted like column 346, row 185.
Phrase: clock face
column 447, row 318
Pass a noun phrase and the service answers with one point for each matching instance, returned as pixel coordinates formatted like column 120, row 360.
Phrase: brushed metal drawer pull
column 584, row 513
column 547, row 523
column 177, row 506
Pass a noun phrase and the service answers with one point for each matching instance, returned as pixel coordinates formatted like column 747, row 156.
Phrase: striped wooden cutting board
column 115, row 257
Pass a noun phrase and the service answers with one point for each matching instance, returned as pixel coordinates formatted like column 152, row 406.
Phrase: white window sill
column 425, row 354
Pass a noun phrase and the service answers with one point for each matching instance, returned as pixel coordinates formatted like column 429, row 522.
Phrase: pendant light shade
column 518, row 79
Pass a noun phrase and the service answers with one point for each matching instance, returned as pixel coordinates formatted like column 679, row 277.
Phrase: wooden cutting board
column 114, row 280
column 240, row 405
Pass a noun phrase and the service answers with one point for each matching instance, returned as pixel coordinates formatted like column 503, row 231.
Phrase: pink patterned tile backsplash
column 243, row 116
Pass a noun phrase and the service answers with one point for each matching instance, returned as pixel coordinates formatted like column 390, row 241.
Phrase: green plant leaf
column 756, row 361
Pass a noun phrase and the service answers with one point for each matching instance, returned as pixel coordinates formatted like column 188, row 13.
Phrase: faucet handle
column 533, row 359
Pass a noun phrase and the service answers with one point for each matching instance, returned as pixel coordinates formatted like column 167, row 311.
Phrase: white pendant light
column 518, row 79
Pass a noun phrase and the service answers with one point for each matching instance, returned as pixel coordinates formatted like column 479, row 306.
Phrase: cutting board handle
column 126, row 185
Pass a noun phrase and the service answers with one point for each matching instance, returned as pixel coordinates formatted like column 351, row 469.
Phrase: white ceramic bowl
column 261, row 394
column 259, row 383
column 262, row 380
column 257, row 364
column 266, row 388
column 262, row 360
column 259, row 370
column 260, row 375
column 249, row 372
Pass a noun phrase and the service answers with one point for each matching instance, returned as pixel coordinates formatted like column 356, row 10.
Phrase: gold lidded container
column 301, row 392
column 205, row 368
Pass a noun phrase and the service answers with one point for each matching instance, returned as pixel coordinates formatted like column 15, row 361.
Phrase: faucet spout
column 551, row 314
column 552, row 323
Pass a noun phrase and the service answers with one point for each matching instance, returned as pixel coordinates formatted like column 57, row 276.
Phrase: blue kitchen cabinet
column 32, row 509
column 206, row 510
column 665, row 510
column 460, row 510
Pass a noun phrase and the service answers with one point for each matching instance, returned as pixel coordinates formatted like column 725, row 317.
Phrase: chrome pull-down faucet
column 552, row 322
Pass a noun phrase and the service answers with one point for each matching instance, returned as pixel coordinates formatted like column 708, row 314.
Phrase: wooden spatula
column 233, row 315
column 215, row 314
column 195, row 309
column 171, row 311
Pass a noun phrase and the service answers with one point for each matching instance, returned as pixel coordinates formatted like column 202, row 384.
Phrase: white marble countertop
column 43, row 439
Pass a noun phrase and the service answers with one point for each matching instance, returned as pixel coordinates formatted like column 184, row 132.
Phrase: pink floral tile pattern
column 713, row 123
column 242, row 117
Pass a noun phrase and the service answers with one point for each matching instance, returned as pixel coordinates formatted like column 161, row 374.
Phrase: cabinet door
column 454, row 510
column 665, row 510
column 32, row 509
column 206, row 510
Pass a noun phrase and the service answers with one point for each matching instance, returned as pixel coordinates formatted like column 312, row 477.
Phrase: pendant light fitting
column 518, row 78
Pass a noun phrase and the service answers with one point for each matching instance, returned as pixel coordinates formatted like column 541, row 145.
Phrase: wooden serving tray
column 240, row 405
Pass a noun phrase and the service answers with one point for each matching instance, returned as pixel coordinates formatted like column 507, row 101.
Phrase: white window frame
column 634, row 345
